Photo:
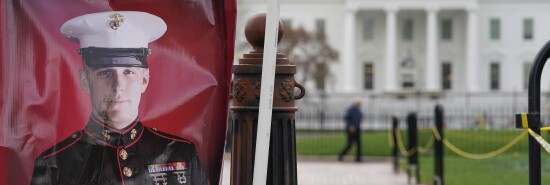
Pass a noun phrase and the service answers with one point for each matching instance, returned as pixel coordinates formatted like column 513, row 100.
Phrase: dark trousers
column 352, row 138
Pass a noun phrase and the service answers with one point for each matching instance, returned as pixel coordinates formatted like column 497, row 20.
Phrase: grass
column 510, row 167
column 330, row 143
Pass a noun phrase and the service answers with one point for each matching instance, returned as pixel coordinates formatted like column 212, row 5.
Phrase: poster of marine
column 114, row 91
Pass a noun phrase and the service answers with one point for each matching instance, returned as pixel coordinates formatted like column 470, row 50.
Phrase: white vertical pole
column 266, row 93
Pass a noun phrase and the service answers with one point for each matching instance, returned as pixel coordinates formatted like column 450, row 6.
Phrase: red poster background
column 41, row 102
column 3, row 170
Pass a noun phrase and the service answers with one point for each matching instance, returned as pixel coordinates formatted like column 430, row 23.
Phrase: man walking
column 353, row 119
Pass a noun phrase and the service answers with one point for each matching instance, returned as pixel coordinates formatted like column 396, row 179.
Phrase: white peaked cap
column 134, row 29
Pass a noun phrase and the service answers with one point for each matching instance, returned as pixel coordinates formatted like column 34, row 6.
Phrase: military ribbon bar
column 177, row 166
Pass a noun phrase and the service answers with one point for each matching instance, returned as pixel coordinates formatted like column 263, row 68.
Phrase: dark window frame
column 368, row 30
column 447, row 29
column 446, row 75
column 494, row 29
column 320, row 26
column 408, row 30
column 368, row 76
column 494, row 75
column 528, row 29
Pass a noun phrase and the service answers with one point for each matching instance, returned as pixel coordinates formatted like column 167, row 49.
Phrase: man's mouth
column 117, row 101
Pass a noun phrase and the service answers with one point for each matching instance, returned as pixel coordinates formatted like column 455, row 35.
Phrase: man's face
column 115, row 92
column 358, row 104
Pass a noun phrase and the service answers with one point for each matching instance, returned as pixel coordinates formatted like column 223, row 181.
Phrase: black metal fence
column 478, row 124
column 494, row 110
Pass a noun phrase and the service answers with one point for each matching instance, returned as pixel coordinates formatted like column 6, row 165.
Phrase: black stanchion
column 395, row 150
column 413, row 147
column 438, row 146
column 533, row 116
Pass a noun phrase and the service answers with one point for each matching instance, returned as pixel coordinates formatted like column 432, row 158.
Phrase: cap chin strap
column 114, row 57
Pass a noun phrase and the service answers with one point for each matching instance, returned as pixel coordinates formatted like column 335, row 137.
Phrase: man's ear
column 145, row 82
column 84, row 82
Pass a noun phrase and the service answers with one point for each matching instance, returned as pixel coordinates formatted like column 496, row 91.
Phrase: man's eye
column 129, row 72
column 104, row 73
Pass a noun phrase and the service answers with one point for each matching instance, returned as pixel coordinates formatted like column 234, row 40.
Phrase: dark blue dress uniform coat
column 136, row 155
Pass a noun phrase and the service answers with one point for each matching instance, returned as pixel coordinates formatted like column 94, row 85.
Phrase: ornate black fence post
column 531, row 120
column 395, row 149
column 413, row 147
column 246, row 98
column 438, row 145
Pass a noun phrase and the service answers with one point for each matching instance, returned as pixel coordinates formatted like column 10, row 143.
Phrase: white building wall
column 303, row 13
column 454, row 50
column 371, row 51
column 417, row 46
column 511, row 50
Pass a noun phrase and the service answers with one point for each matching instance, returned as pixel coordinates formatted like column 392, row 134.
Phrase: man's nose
column 118, row 82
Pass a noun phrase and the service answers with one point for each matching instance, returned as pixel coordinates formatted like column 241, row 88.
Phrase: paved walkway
column 328, row 171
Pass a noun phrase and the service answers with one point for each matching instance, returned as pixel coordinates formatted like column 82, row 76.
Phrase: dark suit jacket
column 136, row 155
column 353, row 117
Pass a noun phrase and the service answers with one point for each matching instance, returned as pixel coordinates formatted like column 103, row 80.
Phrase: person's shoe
column 340, row 158
column 359, row 160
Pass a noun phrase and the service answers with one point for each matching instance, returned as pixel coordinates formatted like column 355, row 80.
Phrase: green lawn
column 510, row 167
column 330, row 143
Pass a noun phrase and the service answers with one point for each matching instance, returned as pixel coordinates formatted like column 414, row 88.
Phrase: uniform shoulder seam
column 71, row 140
column 168, row 136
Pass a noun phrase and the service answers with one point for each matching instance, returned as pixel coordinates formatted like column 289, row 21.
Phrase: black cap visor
column 114, row 57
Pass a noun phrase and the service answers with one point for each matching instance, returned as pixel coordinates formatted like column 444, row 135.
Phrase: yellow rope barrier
column 428, row 146
column 390, row 139
column 436, row 134
column 485, row 155
column 465, row 154
column 404, row 151
column 540, row 140
column 491, row 154
column 524, row 121
column 455, row 149
column 479, row 136
column 401, row 146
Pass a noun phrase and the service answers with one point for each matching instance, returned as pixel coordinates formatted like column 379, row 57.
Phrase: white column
column 349, row 51
column 472, row 53
column 391, row 50
column 433, row 76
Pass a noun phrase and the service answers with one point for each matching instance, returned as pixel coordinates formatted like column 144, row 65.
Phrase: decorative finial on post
column 254, row 31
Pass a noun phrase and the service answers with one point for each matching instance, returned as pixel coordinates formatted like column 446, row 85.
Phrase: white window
column 446, row 29
column 495, row 75
column 408, row 30
column 528, row 26
column 447, row 78
column 368, row 30
column 368, row 76
column 494, row 30
column 407, row 80
column 320, row 25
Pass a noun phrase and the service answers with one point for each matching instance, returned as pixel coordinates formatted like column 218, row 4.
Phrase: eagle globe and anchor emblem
column 116, row 21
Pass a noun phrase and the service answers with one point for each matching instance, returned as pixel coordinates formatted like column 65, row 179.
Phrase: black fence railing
column 493, row 110
column 478, row 126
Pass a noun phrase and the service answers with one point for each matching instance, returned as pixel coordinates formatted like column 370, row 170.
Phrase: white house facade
column 423, row 45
